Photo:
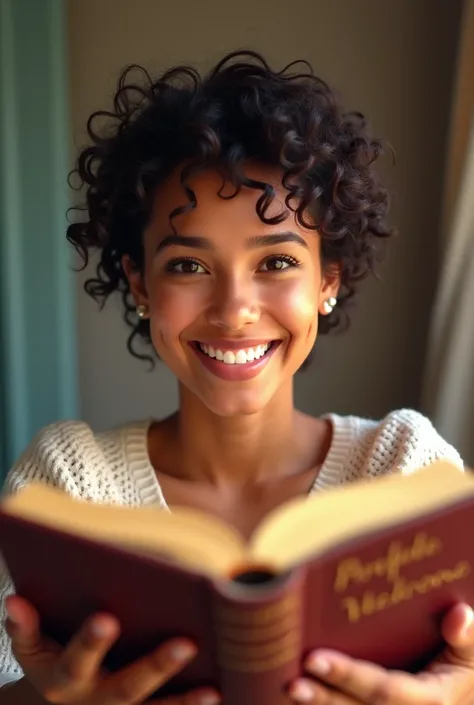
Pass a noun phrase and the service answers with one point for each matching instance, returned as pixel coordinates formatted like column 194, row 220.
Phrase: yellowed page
column 201, row 542
column 307, row 527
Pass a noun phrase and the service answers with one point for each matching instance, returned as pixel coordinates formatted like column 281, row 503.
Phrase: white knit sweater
column 114, row 467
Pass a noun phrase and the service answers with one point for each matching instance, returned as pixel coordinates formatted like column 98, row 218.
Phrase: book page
column 309, row 526
column 200, row 542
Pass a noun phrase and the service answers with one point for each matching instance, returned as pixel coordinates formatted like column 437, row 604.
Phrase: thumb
column 23, row 627
column 458, row 632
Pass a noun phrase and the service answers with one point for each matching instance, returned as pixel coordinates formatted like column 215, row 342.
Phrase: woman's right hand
column 73, row 675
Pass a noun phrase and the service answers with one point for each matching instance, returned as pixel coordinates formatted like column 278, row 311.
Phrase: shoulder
column 403, row 441
column 69, row 455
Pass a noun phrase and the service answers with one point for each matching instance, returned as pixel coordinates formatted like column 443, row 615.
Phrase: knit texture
column 114, row 467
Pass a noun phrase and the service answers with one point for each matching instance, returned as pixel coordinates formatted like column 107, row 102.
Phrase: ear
column 330, row 284
column 135, row 281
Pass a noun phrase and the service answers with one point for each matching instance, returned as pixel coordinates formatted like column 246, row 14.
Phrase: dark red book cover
column 378, row 597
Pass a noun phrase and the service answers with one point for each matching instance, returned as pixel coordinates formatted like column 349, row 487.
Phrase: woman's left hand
column 341, row 680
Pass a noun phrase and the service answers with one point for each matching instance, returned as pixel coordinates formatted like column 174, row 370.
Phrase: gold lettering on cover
column 402, row 590
column 353, row 570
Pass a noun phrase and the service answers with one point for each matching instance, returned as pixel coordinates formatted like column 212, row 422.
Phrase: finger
column 82, row 658
column 23, row 627
column 309, row 692
column 137, row 682
column 458, row 631
column 366, row 682
column 201, row 696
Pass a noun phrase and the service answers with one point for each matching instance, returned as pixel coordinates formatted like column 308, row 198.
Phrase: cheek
column 172, row 310
column 295, row 305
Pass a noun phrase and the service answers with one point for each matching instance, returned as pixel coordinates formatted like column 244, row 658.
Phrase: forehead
column 214, row 209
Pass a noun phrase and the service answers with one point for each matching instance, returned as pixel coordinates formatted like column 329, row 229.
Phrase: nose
column 235, row 304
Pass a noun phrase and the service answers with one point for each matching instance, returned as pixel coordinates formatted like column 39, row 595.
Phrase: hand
column 73, row 675
column 345, row 681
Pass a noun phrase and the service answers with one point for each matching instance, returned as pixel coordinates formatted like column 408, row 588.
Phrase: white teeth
column 240, row 357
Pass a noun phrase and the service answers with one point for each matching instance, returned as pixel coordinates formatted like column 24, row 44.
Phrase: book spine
column 258, row 640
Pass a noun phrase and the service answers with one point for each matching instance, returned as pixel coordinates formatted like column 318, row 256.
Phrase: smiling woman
column 235, row 214
column 251, row 293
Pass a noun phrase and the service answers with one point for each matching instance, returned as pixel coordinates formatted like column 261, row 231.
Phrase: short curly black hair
column 240, row 111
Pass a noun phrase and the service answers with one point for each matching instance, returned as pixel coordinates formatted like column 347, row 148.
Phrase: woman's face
column 233, row 303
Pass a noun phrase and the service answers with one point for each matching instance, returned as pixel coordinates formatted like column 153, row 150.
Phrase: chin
column 233, row 405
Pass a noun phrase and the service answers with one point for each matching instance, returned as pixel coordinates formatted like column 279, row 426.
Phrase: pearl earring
column 329, row 305
column 142, row 311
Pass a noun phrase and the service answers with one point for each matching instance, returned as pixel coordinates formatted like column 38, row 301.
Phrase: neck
column 240, row 449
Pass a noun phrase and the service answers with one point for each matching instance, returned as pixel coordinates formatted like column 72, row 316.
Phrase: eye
column 278, row 263
column 185, row 266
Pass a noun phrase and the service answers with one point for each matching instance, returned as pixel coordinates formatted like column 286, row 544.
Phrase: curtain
column 448, row 395
column 37, row 312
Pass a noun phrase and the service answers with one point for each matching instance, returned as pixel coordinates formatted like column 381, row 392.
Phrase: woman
column 235, row 215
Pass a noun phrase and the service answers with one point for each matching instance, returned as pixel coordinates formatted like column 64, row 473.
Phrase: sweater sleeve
column 64, row 455
column 402, row 442
column 9, row 668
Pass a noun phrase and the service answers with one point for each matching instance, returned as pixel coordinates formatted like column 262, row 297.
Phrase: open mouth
column 236, row 357
column 237, row 364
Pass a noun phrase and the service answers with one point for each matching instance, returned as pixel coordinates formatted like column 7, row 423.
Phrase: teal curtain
column 37, row 310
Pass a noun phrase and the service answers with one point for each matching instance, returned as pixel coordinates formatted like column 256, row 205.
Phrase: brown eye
column 185, row 266
column 278, row 264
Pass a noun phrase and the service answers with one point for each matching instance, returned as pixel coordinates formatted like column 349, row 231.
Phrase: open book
column 368, row 569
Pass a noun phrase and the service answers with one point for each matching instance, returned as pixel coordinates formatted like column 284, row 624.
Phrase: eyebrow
column 201, row 243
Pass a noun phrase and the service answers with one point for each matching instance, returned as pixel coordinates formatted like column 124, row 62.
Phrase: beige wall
column 390, row 58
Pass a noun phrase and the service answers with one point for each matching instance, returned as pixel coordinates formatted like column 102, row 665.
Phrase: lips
column 235, row 361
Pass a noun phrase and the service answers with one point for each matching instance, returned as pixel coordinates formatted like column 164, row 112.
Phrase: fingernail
column 302, row 691
column 10, row 614
column 183, row 651
column 318, row 665
column 100, row 629
column 209, row 697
